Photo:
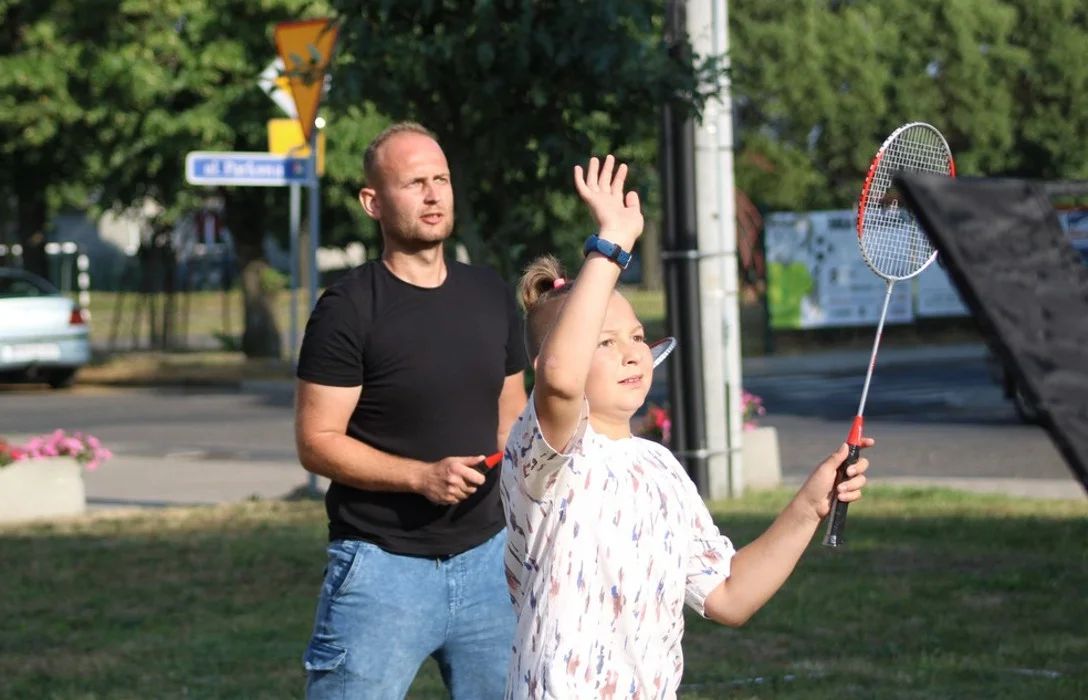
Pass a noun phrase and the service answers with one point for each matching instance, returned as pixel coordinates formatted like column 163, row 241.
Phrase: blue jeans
column 380, row 615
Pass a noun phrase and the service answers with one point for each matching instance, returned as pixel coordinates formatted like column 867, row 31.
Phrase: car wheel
column 62, row 379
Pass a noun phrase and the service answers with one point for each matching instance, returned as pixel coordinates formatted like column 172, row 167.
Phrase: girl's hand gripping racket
column 895, row 248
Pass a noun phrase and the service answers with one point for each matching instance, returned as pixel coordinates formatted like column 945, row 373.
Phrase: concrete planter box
column 759, row 459
column 38, row 489
column 762, row 463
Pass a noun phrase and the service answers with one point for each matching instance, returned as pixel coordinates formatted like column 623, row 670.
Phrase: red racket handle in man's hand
column 488, row 464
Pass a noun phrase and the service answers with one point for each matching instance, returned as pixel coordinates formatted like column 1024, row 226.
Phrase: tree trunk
column 261, row 336
column 32, row 220
column 467, row 227
column 650, row 255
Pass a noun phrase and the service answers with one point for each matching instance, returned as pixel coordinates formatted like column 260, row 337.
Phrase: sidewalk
column 128, row 482
column 132, row 481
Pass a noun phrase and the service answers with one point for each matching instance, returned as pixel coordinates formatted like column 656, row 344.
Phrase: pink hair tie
column 558, row 283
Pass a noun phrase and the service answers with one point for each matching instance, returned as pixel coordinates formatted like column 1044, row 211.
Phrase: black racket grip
column 488, row 464
column 836, row 522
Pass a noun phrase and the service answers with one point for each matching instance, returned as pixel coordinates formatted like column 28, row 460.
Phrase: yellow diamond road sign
column 285, row 138
column 306, row 48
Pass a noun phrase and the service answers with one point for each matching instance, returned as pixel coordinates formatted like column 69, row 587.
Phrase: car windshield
column 15, row 284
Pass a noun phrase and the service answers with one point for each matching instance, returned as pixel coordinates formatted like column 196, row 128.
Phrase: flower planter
column 762, row 463
column 41, row 488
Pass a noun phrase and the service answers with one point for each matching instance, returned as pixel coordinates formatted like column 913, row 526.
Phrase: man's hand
column 451, row 480
column 619, row 217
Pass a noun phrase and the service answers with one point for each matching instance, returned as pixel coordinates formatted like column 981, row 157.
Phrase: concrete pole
column 716, row 225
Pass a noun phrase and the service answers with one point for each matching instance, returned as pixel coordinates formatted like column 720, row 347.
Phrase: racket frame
column 836, row 522
column 866, row 190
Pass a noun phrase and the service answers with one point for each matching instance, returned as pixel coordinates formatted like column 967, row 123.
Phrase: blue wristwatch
column 596, row 244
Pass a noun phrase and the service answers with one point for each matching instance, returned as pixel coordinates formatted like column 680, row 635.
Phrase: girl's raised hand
column 618, row 216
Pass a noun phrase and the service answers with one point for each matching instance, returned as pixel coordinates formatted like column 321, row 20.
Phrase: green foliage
column 517, row 92
column 273, row 281
column 348, row 131
column 100, row 100
column 819, row 86
column 42, row 87
column 1050, row 109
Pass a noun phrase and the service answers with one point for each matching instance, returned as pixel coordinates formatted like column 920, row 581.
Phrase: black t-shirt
column 432, row 363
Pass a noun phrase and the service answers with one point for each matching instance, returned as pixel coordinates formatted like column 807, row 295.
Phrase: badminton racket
column 661, row 349
column 896, row 248
column 489, row 463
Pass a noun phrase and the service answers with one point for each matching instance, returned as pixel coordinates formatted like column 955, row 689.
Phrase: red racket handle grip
column 836, row 522
column 488, row 464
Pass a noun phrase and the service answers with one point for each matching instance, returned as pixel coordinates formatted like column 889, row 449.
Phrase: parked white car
column 44, row 336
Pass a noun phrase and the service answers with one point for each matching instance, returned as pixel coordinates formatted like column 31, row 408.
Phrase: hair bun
column 539, row 279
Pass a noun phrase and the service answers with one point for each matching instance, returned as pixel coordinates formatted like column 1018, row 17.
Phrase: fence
column 69, row 268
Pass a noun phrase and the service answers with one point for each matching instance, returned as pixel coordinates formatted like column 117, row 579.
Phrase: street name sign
column 243, row 168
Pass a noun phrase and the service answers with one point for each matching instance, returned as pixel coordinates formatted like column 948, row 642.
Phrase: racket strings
column 895, row 246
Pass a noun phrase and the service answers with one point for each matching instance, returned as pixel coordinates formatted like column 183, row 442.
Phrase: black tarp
column 1025, row 283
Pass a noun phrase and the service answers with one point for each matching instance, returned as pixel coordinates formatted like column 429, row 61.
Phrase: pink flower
column 85, row 449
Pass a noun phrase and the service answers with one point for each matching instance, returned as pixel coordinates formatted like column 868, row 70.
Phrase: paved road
column 945, row 419
column 931, row 420
column 959, row 392
column 203, row 423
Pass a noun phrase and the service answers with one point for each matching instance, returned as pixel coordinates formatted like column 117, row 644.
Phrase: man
column 410, row 373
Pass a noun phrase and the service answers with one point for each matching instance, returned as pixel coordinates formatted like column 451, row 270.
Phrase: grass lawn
column 938, row 595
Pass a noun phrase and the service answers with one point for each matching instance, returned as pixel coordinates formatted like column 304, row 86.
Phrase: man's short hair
column 370, row 158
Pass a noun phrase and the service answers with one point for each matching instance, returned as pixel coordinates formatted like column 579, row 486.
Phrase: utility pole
column 680, row 258
column 716, row 223
column 700, row 261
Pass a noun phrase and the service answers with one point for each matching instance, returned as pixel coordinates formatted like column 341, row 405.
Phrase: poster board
column 816, row 277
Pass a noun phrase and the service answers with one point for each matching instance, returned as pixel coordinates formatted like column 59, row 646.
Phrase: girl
column 608, row 538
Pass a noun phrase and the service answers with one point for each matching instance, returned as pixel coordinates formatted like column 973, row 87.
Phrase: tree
column 819, row 86
column 174, row 76
column 517, row 92
column 349, row 130
column 42, row 92
column 1050, row 113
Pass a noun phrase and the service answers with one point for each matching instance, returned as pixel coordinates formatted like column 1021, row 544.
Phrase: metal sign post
column 306, row 48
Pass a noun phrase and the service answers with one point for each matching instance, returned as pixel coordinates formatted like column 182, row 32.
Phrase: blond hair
column 370, row 157
column 543, row 283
